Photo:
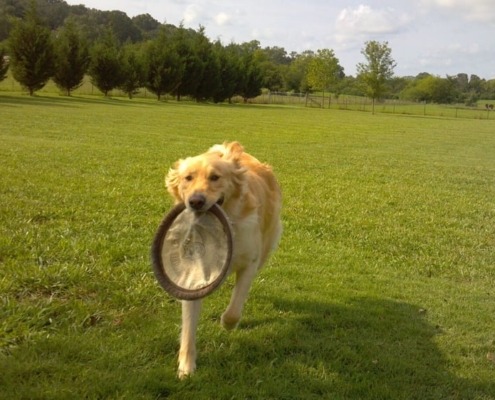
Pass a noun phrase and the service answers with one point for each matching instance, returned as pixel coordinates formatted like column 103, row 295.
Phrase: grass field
column 383, row 286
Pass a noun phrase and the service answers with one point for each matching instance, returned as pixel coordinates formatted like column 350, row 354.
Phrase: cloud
column 454, row 58
column 365, row 20
column 354, row 24
column 222, row 19
column 472, row 10
column 192, row 13
column 262, row 34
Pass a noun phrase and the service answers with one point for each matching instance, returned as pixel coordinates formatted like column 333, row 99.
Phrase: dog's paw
column 186, row 369
column 229, row 322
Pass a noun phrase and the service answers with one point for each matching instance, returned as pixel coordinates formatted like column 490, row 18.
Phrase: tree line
column 48, row 39
column 180, row 61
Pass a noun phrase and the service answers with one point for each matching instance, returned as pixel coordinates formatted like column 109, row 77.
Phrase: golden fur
column 250, row 195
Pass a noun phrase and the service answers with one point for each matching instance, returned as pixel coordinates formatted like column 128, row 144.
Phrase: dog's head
column 212, row 177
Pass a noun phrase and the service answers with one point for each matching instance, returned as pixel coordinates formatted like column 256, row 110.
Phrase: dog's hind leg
column 232, row 315
column 187, row 353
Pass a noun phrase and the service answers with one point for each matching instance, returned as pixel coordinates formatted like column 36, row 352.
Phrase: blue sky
column 436, row 36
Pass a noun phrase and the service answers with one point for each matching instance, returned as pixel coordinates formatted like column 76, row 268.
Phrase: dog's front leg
column 244, row 278
column 187, row 353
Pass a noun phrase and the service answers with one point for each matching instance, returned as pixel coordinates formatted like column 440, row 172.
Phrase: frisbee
column 192, row 251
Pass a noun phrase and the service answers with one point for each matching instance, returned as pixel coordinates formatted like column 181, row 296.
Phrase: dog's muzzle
column 197, row 202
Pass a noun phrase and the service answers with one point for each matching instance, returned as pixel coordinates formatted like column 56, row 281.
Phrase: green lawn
column 383, row 286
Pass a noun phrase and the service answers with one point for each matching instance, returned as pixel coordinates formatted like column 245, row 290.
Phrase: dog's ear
column 228, row 150
column 233, row 154
column 233, row 150
column 172, row 180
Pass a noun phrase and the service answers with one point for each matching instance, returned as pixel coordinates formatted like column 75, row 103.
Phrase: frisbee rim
column 157, row 262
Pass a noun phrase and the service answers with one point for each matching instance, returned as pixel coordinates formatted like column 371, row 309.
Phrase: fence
column 326, row 101
column 357, row 103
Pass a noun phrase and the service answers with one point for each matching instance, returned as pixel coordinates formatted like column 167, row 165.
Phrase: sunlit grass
column 382, row 286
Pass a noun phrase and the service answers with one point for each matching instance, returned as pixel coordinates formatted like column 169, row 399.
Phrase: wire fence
column 357, row 103
column 324, row 101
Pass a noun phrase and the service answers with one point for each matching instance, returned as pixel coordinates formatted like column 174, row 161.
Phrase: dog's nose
column 197, row 201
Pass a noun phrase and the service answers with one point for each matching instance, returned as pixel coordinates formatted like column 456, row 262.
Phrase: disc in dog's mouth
column 192, row 252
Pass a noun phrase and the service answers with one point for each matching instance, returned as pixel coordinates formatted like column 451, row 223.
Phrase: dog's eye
column 189, row 178
column 214, row 178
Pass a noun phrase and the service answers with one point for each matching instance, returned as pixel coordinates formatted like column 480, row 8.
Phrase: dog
column 250, row 195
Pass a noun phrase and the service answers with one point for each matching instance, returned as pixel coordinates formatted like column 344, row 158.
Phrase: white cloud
column 364, row 20
column 222, row 19
column 470, row 49
column 354, row 24
column 192, row 14
column 473, row 10
column 262, row 34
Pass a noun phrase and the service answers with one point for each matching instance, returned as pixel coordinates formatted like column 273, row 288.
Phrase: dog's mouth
column 199, row 203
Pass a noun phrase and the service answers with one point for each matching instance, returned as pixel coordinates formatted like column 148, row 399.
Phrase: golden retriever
column 250, row 195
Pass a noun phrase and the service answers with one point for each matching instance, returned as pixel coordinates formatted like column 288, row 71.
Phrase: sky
column 441, row 37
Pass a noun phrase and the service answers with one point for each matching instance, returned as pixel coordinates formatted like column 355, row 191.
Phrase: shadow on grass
column 65, row 101
column 365, row 349
column 74, row 101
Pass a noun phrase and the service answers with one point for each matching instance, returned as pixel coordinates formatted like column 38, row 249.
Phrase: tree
column 31, row 51
column 252, row 79
column 53, row 12
column 323, row 71
column 377, row 70
column 297, row 72
column 105, row 65
column 123, row 27
column 182, row 43
column 133, row 76
column 210, row 78
column 277, row 55
column 148, row 26
column 229, row 67
column 163, row 68
column 250, row 75
column 274, row 63
column 71, row 59
column 430, row 88
column 4, row 64
column 489, row 90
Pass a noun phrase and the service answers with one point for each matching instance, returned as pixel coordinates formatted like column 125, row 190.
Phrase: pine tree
column 71, row 59
column 31, row 51
column 210, row 79
column 164, row 69
column 182, row 43
column 251, row 78
column 229, row 72
column 132, row 70
column 105, row 65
